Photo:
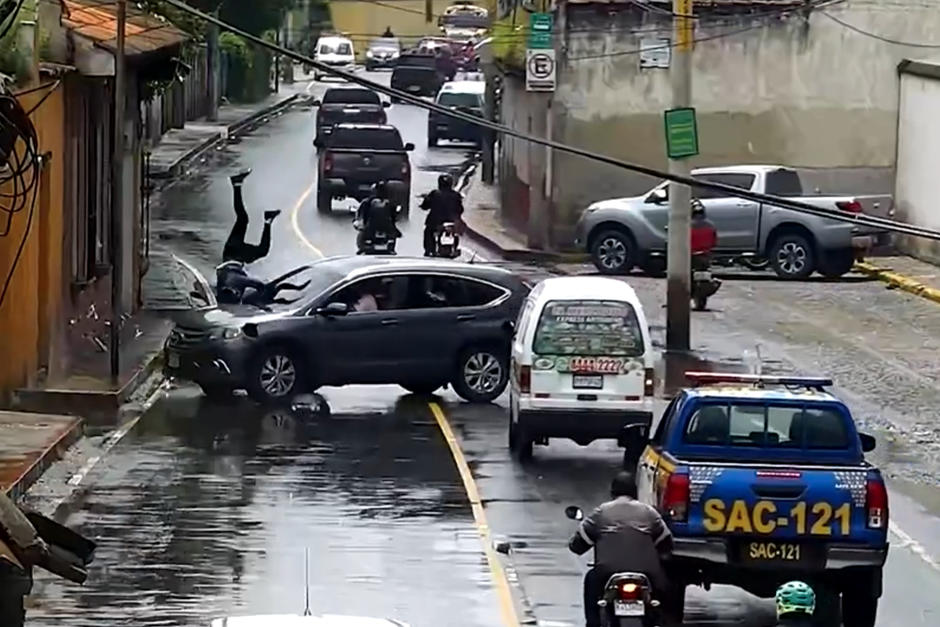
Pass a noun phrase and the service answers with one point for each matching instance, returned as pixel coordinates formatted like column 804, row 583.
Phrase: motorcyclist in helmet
column 626, row 535
column 443, row 204
column 795, row 603
column 376, row 213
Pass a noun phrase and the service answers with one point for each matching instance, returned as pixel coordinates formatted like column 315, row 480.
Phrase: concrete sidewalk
column 29, row 443
column 180, row 147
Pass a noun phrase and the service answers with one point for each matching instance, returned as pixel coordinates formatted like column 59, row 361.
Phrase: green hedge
column 247, row 70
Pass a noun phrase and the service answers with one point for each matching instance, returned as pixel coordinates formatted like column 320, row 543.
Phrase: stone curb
column 49, row 455
column 899, row 281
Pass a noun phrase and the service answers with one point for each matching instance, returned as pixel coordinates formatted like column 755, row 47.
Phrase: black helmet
column 445, row 181
column 380, row 189
column 623, row 484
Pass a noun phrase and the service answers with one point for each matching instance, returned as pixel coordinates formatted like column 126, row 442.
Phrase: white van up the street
column 581, row 366
column 337, row 51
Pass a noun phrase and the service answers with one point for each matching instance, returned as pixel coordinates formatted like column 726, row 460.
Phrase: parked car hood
column 234, row 316
column 623, row 204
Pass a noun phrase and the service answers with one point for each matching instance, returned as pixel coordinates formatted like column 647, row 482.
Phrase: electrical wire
column 729, row 190
column 887, row 40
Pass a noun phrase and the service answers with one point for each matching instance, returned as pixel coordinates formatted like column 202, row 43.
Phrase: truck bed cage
column 757, row 380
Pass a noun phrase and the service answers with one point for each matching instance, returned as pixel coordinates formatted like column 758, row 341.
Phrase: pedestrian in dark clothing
column 16, row 582
column 388, row 32
column 443, row 205
column 235, row 247
column 627, row 536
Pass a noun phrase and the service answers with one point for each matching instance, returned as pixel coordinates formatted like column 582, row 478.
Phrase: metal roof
column 97, row 20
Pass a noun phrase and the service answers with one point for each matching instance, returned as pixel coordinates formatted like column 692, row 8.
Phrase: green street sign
column 681, row 133
column 540, row 30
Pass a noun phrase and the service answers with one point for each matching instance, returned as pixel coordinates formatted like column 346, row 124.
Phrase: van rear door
column 588, row 350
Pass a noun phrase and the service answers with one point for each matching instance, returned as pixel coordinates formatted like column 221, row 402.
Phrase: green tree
column 253, row 16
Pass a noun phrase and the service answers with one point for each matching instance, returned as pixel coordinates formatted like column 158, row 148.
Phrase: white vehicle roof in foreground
column 464, row 87
column 586, row 288
column 293, row 620
column 334, row 39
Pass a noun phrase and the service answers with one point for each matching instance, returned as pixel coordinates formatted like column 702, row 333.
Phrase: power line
column 887, row 40
column 729, row 190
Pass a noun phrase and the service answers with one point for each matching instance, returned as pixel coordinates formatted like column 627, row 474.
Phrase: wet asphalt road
column 205, row 510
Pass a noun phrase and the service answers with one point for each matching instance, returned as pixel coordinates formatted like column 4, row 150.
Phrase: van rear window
column 767, row 426
column 588, row 328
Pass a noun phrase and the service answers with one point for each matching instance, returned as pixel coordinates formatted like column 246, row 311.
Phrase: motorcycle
column 704, row 285
column 380, row 242
column 627, row 600
column 446, row 241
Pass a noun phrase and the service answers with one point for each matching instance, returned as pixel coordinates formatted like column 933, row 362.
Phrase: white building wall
column 917, row 186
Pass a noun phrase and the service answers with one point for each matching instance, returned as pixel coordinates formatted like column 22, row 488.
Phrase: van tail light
column 850, row 206
column 676, row 497
column 328, row 163
column 876, row 503
column 630, row 591
column 648, row 382
column 525, row 379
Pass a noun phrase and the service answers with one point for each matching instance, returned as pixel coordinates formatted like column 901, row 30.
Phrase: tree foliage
column 254, row 16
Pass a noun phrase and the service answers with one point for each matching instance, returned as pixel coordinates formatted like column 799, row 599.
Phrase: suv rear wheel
column 275, row 376
column 482, row 374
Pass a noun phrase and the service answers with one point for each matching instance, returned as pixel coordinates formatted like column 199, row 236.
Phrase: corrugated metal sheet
column 97, row 20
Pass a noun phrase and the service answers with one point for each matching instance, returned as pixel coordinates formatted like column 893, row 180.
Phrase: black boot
column 270, row 215
column 238, row 179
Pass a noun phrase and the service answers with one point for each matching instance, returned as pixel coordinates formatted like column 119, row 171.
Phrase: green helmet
column 795, row 597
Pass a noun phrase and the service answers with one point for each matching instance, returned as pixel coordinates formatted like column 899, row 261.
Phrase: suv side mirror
column 868, row 442
column 334, row 309
column 316, row 103
column 409, row 147
column 386, row 104
column 658, row 196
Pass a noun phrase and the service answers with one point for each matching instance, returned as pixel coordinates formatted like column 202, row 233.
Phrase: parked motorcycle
column 446, row 241
column 627, row 600
column 704, row 285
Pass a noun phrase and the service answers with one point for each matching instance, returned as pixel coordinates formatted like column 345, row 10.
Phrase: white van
column 337, row 51
column 581, row 365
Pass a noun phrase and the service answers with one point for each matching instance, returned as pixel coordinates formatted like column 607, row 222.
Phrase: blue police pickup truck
column 763, row 480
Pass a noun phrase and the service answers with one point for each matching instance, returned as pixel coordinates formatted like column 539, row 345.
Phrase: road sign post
column 540, row 70
column 540, row 31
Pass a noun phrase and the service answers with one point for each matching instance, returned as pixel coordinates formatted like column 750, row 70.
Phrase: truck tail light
column 876, row 503
column 648, row 382
column 404, row 168
column 676, row 497
column 850, row 206
column 327, row 163
column 525, row 379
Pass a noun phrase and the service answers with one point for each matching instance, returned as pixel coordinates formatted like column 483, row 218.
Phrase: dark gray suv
column 361, row 320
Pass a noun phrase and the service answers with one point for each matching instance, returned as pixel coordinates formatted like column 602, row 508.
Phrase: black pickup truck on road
column 356, row 157
column 418, row 74
column 347, row 104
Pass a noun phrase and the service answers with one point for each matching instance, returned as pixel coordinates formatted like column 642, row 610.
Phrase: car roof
column 293, row 620
column 740, row 169
column 587, row 288
column 355, row 266
column 464, row 87
column 336, row 38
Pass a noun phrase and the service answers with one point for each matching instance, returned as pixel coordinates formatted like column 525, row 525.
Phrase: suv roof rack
column 757, row 380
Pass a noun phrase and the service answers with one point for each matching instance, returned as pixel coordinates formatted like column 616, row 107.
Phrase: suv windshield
column 466, row 20
column 342, row 48
column 372, row 138
column 453, row 99
column 351, row 96
column 588, row 328
column 767, row 426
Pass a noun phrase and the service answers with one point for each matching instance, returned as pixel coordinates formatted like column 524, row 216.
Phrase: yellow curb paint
column 899, row 281
column 503, row 591
column 295, row 220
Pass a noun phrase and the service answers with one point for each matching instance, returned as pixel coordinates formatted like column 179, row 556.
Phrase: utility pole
column 288, row 42
column 679, row 261
column 215, row 59
column 277, row 61
column 117, row 191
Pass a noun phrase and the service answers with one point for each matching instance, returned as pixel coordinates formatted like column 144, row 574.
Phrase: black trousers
column 14, row 586
column 235, row 246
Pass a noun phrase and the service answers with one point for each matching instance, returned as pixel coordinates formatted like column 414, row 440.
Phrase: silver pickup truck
column 622, row 233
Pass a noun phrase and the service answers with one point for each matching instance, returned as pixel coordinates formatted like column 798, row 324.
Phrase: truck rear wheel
column 834, row 263
column 859, row 610
column 324, row 201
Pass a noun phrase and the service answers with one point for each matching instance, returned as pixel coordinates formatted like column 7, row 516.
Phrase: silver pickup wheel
column 613, row 252
column 792, row 256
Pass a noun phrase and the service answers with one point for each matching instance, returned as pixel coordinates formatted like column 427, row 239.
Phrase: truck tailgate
column 768, row 510
column 350, row 113
column 370, row 166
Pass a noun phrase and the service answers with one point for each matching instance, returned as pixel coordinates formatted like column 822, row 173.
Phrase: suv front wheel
column 482, row 374
column 275, row 376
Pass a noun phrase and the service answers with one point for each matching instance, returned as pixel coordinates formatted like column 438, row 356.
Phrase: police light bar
column 710, row 378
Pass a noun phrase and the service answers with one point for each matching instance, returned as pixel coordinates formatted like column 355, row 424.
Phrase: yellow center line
column 295, row 220
column 503, row 591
